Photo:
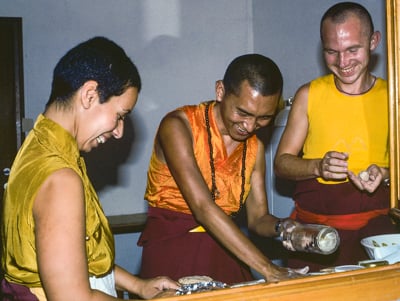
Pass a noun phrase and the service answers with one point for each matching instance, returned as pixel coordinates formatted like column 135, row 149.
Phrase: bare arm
column 59, row 214
column 287, row 162
column 174, row 144
column 259, row 219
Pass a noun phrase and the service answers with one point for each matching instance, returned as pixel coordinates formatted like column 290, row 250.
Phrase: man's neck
column 361, row 86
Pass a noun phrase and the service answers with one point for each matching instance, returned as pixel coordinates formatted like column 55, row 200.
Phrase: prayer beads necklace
column 214, row 189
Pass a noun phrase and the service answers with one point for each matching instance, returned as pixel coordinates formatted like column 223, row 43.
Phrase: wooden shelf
column 127, row 223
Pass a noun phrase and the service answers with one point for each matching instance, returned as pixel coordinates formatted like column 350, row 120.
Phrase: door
column 11, row 98
column 11, row 94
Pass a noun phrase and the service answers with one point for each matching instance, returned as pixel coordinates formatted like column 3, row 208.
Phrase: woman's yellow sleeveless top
column 162, row 191
column 48, row 148
column 356, row 124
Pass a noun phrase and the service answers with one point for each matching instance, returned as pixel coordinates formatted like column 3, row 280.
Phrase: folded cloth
column 105, row 284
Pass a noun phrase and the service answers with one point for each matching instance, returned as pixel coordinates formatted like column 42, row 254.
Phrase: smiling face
column 243, row 114
column 347, row 47
column 105, row 120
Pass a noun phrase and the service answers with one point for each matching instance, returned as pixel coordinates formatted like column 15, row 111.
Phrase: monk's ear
column 89, row 94
column 374, row 41
column 219, row 90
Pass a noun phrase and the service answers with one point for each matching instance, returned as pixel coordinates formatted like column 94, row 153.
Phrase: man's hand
column 287, row 226
column 280, row 273
column 368, row 180
column 333, row 166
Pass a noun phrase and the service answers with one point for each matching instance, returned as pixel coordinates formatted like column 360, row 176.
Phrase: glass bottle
column 313, row 238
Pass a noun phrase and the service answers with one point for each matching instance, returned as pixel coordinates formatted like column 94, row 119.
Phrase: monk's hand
column 368, row 180
column 287, row 226
column 280, row 273
column 333, row 166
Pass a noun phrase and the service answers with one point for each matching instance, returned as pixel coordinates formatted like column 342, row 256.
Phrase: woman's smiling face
column 106, row 120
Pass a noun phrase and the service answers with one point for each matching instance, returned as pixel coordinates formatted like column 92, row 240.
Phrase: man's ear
column 219, row 90
column 375, row 39
column 89, row 94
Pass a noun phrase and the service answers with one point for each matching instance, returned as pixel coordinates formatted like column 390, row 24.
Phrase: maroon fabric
column 15, row 292
column 170, row 250
column 341, row 199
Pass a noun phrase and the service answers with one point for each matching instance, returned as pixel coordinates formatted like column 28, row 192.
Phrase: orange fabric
column 162, row 191
column 353, row 221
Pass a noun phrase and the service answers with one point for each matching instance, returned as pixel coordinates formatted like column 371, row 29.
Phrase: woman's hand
column 158, row 287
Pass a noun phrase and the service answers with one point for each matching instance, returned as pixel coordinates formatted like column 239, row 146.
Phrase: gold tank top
column 48, row 148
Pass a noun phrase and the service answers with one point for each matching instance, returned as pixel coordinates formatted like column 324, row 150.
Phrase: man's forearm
column 294, row 168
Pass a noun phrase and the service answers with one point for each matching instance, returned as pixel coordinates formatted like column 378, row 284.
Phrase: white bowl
column 379, row 246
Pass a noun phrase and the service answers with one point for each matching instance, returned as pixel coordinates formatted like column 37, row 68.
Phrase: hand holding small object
column 368, row 180
column 364, row 175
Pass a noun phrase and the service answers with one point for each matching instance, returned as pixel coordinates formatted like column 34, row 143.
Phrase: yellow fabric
column 162, row 191
column 48, row 148
column 198, row 229
column 357, row 125
column 39, row 293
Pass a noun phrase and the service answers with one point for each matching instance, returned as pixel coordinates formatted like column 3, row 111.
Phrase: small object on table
column 346, row 268
column 373, row 263
column 196, row 284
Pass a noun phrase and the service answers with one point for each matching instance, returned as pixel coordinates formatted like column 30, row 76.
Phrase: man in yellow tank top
column 338, row 128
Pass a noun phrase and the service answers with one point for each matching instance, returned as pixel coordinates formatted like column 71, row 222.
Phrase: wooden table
column 370, row 284
column 374, row 284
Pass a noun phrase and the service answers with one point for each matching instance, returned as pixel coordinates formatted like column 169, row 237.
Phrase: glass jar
column 312, row 238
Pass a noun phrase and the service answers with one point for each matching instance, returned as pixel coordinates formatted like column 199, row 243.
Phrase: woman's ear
column 219, row 90
column 89, row 93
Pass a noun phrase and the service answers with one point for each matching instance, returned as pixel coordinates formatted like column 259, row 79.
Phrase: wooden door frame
column 393, row 65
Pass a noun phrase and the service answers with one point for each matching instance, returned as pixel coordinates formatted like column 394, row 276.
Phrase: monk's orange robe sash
column 352, row 221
